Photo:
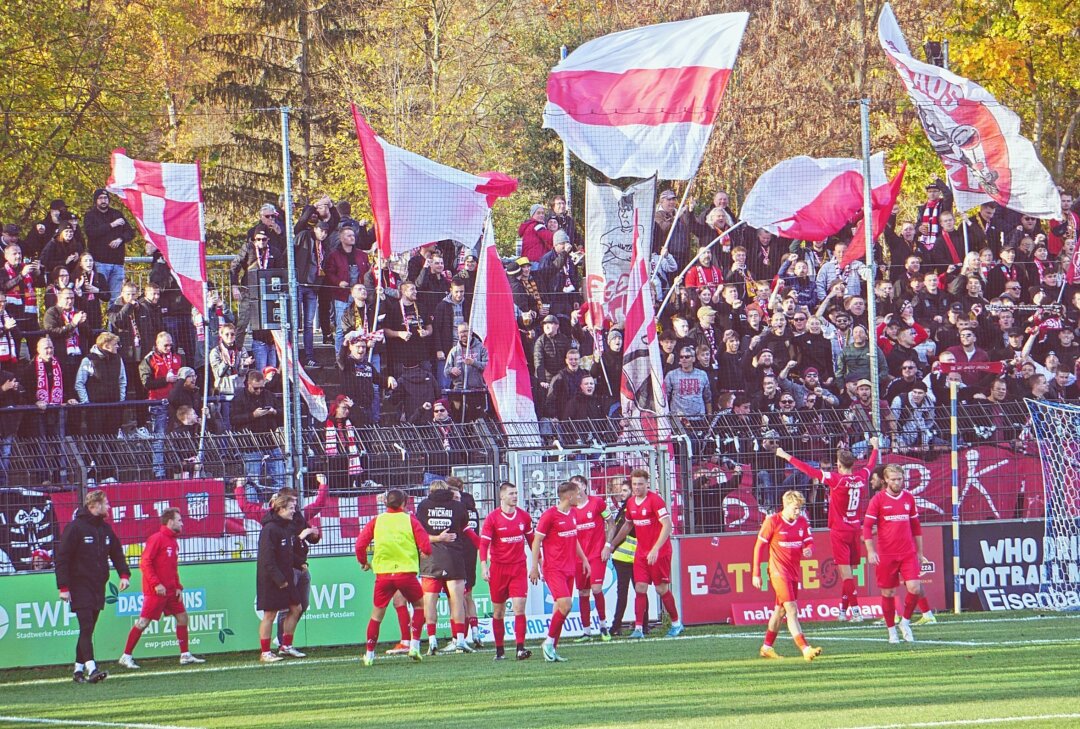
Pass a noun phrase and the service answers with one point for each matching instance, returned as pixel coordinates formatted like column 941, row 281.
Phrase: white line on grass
column 968, row 722
column 78, row 722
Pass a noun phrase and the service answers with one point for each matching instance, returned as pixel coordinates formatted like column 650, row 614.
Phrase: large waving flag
column 644, row 101
column 507, row 372
column 882, row 202
column 642, row 386
column 977, row 138
column 166, row 200
column 416, row 201
column 313, row 395
column 810, row 199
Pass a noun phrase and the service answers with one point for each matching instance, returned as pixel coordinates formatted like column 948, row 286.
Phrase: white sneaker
column 893, row 637
column 291, row 652
column 856, row 615
column 186, row 659
column 905, row 631
column 841, row 618
column 128, row 662
column 268, row 657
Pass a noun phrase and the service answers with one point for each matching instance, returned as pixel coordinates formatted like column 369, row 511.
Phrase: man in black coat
column 254, row 410
column 82, row 569
column 275, row 581
column 107, row 236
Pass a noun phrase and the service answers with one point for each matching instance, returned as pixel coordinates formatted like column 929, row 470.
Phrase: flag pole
column 206, row 370
column 689, row 265
column 871, row 267
column 380, row 262
column 566, row 156
column 290, row 381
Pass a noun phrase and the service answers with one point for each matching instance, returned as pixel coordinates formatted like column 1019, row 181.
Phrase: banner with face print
column 609, row 243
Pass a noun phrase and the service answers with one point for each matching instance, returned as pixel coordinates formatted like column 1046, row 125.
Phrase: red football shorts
column 845, row 547
column 597, row 567
column 403, row 582
column 433, row 585
column 508, row 581
column 155, row 605
column 890, row 570
column 559, row 584
column 656, row 574
column 785, row 588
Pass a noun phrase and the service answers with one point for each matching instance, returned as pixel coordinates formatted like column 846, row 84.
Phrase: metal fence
column 721, row 474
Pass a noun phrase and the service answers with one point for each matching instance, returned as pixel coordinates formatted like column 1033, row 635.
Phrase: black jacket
column 82, row 561
column 439, row 512
column 244, row 404
column 100, row 233
column 277, row 557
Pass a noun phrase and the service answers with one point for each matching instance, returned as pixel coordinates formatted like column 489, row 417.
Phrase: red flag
column 882, row 201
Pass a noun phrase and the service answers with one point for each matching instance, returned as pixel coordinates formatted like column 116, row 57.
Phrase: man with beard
column 107, row 234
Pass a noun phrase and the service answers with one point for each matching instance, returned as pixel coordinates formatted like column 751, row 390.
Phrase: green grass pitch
column 1016, row 669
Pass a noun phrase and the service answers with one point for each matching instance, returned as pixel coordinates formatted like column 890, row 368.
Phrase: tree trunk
column 1063, row 144
column 306, row 113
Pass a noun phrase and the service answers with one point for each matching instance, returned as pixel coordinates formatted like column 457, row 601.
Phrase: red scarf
column 72, row 343
column 8, row 348
column 49, row 395
column 930, row 217
column 28, row 300
column 947, row 237
column 346, row 434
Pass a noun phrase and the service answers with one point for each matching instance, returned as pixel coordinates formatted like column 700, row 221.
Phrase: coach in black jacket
column 82, row 569
column 275, row 582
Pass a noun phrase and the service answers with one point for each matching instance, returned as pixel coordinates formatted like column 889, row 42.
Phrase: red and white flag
column 166, row 200
column 644, row 101
column 507, row 371
column 642, row 386
column 416, row 201
column 313, row 395
column 882, row 201
column 977, row 138
column 810, row 199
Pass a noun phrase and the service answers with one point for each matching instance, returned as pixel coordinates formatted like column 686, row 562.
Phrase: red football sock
column 133, row 638
column 286, row 640
column 181, row 637
column 845, row 595
column 586, row 616
column 800, row 640
column 641, row 606
column 770, row 638
column 924, row 604
column 372, row 634
column 909, row 605
column 264, row 644
column 668, row 598
column 498, row 627
column 853, row 596
column 474, row 622
column 555, row 629
column 601, row 606
column 417, row 622
column 888, row 611
column 403, row 621
column 519, row 631
column 431, row 630
column 457, row 629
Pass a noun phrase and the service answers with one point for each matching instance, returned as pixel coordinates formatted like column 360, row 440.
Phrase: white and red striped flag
column 313, row 395
column 977, row 138
column 642, row 385
column 810, row 199
column 416, row 201
column 882, row 201
column 507, row 371
column 644, row 101
column 166, row 200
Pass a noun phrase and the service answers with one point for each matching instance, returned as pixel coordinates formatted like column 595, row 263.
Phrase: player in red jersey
column 592, row 517
column 162, row 591
column 506, row 533
column 787, row 538
column 848, row 495
column 556, row 532
column 899, row 551
column 648, row 514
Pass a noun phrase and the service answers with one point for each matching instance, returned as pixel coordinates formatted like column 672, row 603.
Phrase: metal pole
column 693, row 260
column 566, row 158
column 963, row 213
column 289, row 379
column 871, row 266
column 955, row 453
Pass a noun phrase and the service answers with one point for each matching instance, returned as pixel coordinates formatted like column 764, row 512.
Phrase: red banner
column 136, row 507
column 715, row 580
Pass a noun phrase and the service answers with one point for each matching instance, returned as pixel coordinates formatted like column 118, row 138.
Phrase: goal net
column 1057, row 430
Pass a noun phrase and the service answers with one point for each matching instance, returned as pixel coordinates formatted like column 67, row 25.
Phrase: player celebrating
column 471, row 554
column 787, row 538
column 506, row 530
column 592, row 516
column 899, row 551
column 162, row 590
column 557, row 533
column 847, row 495
column 398, row 536
column 648, row 514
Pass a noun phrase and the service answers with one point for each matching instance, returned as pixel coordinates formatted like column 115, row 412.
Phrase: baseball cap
column 667, row 194
column 808, row 370
column 862, row 382
column 513, row 268
column 957, row 308
column 268, row 209
column 550, row 318
column 185, row 372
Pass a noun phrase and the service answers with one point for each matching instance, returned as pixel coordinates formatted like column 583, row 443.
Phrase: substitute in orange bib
column 787, row 538
column 162, row 591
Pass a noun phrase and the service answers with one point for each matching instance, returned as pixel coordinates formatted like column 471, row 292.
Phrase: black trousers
column 624, row 571
column 84, row 648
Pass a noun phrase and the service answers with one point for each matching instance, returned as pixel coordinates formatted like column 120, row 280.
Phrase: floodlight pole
column 871, row 266
column 290, row 381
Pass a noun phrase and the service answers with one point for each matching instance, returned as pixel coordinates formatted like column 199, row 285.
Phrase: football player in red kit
column 506, row 533
column 556, row 533
column 162, row 591
column 899, row 550
column 592, row 517
column 848, row 494
column 787, row 538
column 649, row 516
